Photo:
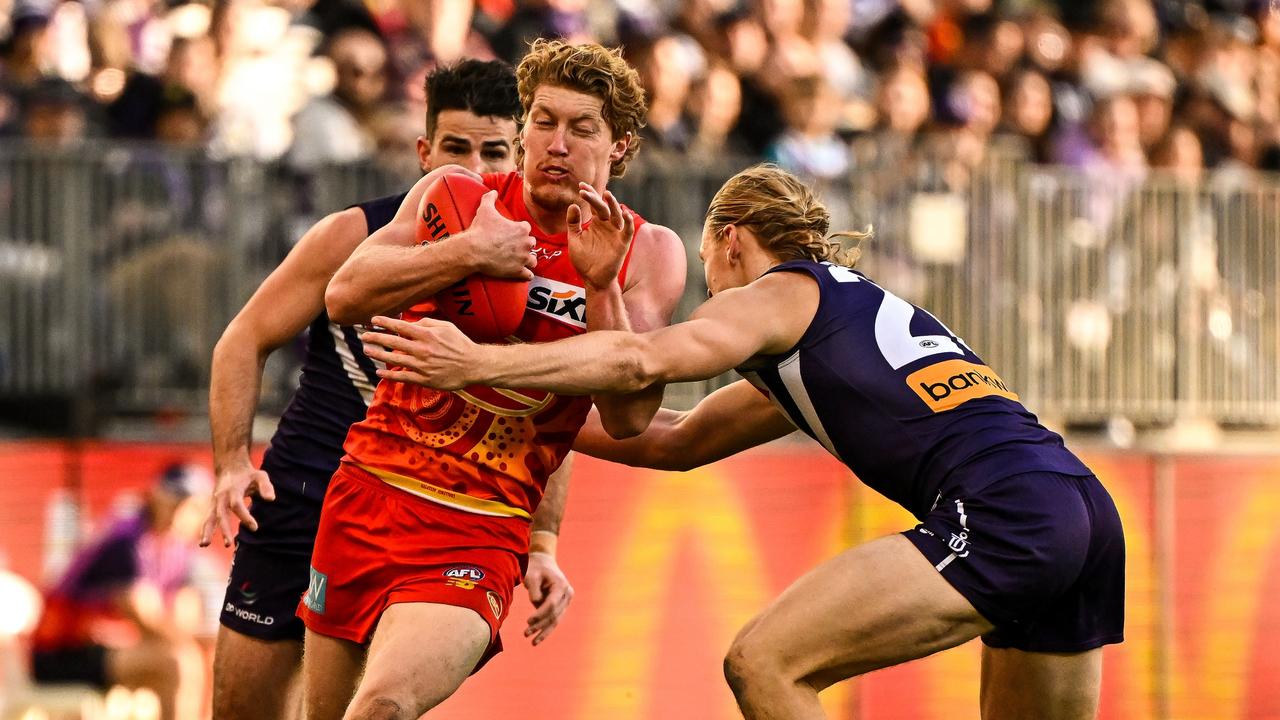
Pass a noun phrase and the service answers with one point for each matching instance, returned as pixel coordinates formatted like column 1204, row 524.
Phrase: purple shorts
column 1040, row 555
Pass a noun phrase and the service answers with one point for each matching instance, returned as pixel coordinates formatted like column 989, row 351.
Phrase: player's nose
column 475, row 164
column 557, row 146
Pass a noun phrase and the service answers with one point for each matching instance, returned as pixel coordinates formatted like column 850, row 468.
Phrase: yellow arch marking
column 1215, row 686
column 701, row 504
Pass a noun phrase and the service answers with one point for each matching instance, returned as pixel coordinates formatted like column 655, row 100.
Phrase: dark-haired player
column 471, row 122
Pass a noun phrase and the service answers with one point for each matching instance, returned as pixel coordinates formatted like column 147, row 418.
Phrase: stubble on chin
column 553, row 197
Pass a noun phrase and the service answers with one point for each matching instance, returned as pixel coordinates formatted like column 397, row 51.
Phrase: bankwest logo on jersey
column 559, row 301
column 947, row 384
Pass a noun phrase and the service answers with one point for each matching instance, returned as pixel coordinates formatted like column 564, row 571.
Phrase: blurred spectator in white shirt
column 810, row 146
column 334, row 128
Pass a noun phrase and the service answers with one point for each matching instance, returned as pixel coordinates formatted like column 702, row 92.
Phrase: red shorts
column 378, row 545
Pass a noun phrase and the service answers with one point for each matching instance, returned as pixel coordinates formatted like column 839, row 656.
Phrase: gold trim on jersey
column 459, row 501
column 532, row 406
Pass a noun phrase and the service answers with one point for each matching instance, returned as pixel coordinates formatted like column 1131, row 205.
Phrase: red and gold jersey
column 484, row 450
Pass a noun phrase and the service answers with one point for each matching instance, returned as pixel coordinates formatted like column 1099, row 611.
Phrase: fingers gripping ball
column 486, row 308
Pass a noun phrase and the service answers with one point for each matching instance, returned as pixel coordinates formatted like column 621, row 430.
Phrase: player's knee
column 379, row 707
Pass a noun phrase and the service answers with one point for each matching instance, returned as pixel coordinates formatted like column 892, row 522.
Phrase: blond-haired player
column 425, row 526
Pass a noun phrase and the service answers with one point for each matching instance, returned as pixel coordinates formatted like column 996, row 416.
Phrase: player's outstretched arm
column 286, row 302
column 390, row 271
column 655, row 282
column 549, row 589
column 724, row 423
column 722, row 334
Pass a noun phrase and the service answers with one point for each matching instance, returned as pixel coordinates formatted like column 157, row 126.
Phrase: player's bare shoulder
column 657, row 253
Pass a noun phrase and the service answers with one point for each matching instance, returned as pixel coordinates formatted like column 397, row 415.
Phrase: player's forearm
column 657, row 447
column 234, row 389
column 724, row 423
column 547, row 518
column 623, row 415
column 385, row 279
column 619, row 363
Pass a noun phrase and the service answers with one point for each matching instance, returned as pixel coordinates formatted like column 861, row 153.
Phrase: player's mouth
column 555, row 173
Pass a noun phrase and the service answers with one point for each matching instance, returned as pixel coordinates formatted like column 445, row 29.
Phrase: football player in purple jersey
column 1017, row 543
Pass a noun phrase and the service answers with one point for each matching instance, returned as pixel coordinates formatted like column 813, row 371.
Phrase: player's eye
column 495, row 155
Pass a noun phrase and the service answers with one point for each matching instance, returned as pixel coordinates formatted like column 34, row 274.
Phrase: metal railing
column 1095, row 296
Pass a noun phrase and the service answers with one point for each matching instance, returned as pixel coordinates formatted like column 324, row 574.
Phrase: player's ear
column 620, row 148
column 732, row 241
column 424, row 154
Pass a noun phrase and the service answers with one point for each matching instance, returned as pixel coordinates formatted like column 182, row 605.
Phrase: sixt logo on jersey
column 559, row 301
column 947, row 384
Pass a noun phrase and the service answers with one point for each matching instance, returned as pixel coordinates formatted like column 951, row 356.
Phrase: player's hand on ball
column 429, row 352
column 228, row 499
column 597, row 252
column 550, row 593
column 502, row 247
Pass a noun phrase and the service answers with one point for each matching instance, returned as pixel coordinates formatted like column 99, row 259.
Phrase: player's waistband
column 449, row 498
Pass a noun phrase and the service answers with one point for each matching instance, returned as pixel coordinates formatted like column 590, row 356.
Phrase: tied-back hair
column 785, row 215
column 482, row 87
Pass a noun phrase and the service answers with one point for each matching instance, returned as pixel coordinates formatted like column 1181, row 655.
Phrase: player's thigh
column 1018, row 685
column 420, row 654
column 254, row 678
column 873, row 606
column 330, row 671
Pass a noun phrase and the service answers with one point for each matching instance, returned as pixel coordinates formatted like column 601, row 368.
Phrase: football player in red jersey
column 473, row 108
column 426, row 523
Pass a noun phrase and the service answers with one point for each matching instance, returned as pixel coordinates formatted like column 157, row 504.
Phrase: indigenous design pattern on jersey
column 481, row 449
column 898, row 397
column 335, row 389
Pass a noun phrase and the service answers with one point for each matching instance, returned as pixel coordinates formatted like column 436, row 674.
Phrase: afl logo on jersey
column 558, row 301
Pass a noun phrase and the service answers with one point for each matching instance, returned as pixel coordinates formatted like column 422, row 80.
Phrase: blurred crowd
column 1109, row 86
